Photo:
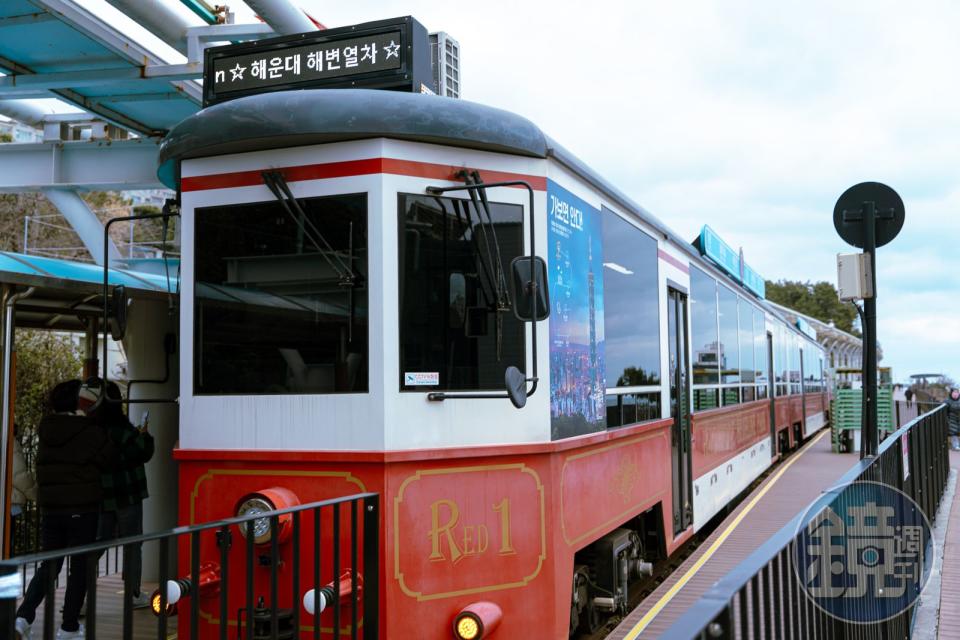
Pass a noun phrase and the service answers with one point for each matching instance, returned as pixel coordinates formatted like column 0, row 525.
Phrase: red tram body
column 313, row 388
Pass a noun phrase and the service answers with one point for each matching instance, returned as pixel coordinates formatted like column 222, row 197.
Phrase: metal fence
column 762, row 597
column 907, row 411
column 331, row 547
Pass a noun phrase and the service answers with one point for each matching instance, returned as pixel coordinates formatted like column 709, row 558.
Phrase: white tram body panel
column 381, row 418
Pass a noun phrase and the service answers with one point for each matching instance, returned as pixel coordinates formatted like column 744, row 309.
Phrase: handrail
column 178, row 531
column 711, row 616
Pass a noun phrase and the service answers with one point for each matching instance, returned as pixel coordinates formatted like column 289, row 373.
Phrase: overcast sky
column 749, row 116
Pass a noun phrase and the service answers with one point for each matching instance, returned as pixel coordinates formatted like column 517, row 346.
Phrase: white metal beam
column 26, row 112
column 159, row 18
column 84, row 221
column 102, row 165
column 282, row 16
column 199, row 38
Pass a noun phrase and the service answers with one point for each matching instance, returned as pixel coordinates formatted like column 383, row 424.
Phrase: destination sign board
column 387, row 54
column 754, row 281
column 720, row 253
column 311, row 62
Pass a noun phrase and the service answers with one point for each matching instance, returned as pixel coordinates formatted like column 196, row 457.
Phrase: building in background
column 20, row 132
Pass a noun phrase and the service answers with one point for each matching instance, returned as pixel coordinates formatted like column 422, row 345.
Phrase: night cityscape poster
column 574, row 237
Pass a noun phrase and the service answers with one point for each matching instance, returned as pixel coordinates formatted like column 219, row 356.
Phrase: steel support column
column 84, row 222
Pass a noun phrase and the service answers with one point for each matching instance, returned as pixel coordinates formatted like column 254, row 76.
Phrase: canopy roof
column 57, row 46
column 68, row 292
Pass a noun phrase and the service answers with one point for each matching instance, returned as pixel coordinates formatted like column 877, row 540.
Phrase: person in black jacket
column 72, row 453
column 953, row 418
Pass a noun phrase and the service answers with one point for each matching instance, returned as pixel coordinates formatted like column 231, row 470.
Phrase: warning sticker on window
column 421, row 379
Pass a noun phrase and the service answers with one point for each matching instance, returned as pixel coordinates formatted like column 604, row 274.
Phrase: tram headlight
column 476, row 621
column 207, row 583
column 468, row 627
column 155, row 605
column 265, row 501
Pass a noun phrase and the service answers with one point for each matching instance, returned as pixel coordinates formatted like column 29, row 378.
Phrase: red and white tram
column 346, row 326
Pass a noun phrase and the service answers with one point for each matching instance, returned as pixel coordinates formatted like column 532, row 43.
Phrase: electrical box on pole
column 854, row 276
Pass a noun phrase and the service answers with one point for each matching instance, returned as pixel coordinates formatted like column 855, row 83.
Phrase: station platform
column 790, row 488
column 948, row 624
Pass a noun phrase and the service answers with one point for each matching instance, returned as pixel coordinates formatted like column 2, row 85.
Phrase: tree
column 818, row 300
column 44, row 358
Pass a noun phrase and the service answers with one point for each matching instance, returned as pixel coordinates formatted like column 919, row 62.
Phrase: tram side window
column 760, row 352
column 631, row 321
column 629, row 408
column 456, row 331
column 281, row 301
column 729, row 347
column 794, row 343
column 631, row 311
column 747, row 373
column 781, row 361
column 705, row 342
column 811, row 377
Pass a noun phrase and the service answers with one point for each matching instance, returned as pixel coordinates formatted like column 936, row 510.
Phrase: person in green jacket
column 124, row 486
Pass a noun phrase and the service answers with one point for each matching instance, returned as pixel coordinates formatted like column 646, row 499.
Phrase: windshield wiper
column 281, row 191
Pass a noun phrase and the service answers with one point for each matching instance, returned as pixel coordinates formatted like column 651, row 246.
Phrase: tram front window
column 457, row 330
column 281, row 299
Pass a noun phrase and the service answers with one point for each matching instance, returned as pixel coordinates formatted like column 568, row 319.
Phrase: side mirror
column 118, row 312
column 531, row 299
column 516, row 384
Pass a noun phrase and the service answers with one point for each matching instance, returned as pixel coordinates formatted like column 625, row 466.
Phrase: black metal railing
column 905, row 411
column 331, row 547
column 762, row 597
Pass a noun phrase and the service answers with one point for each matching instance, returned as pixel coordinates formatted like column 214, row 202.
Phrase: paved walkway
column 789, row 489
column 949, row 624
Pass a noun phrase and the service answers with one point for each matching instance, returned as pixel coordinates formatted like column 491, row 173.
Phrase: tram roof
column 284, row 119
column 314, row 116
column 296, row 118
column 66, row 289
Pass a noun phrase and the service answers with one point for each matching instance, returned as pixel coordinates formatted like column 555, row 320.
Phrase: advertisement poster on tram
column 576, row 321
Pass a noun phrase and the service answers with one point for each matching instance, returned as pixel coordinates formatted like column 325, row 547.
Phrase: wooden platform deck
column 109, row 613
column 789, row 489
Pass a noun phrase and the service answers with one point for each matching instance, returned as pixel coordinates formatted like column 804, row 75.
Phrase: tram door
column 680, row 410
column 771, row 386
